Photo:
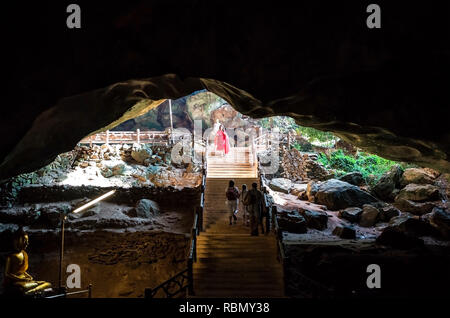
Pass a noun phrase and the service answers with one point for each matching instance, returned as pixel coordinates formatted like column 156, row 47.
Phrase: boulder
column 118, row 169
column 336, row 194
column 291, row 221
column 388, row 212
column 419, row 192
column 106, row 172
column 369, row 216
column 355, row 178
column 302, row 196
column 132, row 213
column 396, row 239
column 416, row 208
column 417, row 176
column 345, row 232
column 440, row 218
column 315, row 219
column 311, row 190
column 140, row 153
column 146, row 208
column 411, row 225
column 351, row 214
column 388, row 182
column 404, row 232
column 281, row 185
column 298, row 188
column 84, row 164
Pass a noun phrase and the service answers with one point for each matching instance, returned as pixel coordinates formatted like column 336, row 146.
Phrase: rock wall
column 303, row 167
column 343, row 268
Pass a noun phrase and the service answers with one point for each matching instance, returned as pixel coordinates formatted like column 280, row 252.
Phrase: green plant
column 372, row 167
column 314, row 135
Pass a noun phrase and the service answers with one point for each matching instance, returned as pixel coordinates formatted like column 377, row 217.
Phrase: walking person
column 232, row 200
column 264, row 214
column 221, row 141
column 254, row 199
column 243, row 206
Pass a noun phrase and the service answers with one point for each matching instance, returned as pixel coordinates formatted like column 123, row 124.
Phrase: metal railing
column 64, row 293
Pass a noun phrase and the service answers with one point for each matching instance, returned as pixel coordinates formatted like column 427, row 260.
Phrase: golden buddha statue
column 16, row 276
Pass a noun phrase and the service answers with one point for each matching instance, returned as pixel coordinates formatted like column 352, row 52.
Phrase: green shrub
column 372, row 167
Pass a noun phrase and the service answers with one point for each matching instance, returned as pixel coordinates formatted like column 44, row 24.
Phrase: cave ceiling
column 383, row 90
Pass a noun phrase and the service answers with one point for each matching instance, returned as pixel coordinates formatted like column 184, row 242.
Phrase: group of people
column 251, row 203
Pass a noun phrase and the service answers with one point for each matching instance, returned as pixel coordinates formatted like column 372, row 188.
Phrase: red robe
column 221, row 142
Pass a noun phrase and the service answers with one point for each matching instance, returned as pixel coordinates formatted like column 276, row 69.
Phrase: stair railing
column 63, row 293
column 184, row 280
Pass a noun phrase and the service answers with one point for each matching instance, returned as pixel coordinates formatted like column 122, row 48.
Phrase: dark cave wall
column 384, row 90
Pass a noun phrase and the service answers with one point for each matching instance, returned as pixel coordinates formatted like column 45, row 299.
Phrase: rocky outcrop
column 336, row 194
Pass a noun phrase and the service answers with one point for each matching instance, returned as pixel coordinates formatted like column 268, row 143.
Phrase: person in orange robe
column 221, row 141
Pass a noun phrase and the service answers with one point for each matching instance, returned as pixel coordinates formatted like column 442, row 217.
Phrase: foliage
column 314, row 135
column 372, row 167
column 286, row 124
column 307, row 147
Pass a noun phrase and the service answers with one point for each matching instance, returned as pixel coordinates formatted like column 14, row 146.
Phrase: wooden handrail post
column 90, row 291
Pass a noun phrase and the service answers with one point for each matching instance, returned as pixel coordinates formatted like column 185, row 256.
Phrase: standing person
column 254, row 199
column 244, row 205
column 221, row 141
column 232, row 198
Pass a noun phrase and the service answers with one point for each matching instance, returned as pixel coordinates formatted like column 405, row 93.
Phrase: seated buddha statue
column 16, row 276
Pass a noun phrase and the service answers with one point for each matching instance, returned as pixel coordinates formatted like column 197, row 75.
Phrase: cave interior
column 362, row 156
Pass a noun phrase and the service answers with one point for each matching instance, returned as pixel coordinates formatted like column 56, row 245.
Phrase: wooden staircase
column 230, row 262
